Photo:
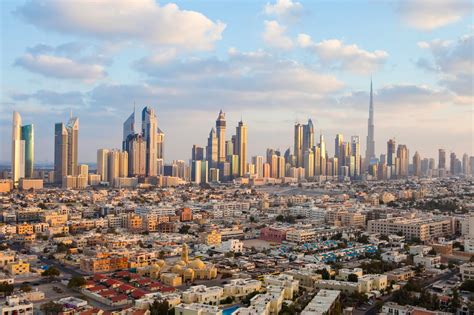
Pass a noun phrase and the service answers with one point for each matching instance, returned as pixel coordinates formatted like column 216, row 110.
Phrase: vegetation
column 467, row 285
column 184, row 229
column 160, row 308
column 51, row 273
column 353, row 277
column 76, row 282
column 288, row 218
column 248, row 297
column 25, row 287
column 6, row 289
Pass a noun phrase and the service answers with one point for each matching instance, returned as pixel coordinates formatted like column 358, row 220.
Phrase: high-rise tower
column 370, row 148
column 72, row 145
column 128, row 130
column 241, row 144
column 18, row 150
column 60, row 152
column 28, row 135
column 298, row 144
column 149, row 130
column 211, row 149
column 220, row 128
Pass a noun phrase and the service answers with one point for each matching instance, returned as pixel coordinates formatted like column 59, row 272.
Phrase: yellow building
column 211, row 239
column 171, row 279
column 25, row 228
column 18, row 268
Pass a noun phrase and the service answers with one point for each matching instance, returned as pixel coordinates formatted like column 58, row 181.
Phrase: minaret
column 370, row 148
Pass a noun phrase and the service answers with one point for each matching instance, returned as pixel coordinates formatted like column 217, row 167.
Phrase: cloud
column 243, row 72
column 274, row 35
column 52, row 98
column 286, row 9
column 124, row 20
column 427, row 15
column 452, row 61
column 61, row 67
column 346, row 57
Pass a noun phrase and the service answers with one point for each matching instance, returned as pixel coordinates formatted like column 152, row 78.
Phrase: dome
column 189, row 272
column 197, row 264
column 181, row 263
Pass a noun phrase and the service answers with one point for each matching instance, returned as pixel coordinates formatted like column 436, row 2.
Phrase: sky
column 269, row 63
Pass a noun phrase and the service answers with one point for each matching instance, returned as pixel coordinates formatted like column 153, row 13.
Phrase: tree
column 353, row 277
column 76, row 282
column 467, row 285
column 324, row 274
column 25, row 287
column 51, row 308
column 6, row 289
column 184, row 229
column 159, row 307
column 51, row 273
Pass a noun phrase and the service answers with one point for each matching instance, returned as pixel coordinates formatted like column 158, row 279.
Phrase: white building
column 196, row 309
column 322, row 303
column 16, row 305
column 203, row 294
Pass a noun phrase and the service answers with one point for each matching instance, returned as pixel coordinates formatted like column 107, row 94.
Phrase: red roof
column 119, row 297
column 107, row 293
column 112, row 282
column 99, row 277
column 143, row 281
column 122, row 274
column 138, row 293
column 97, row 288
column 125, row 287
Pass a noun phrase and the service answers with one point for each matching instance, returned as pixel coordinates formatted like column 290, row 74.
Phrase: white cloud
column 347, row 57
column 284, row 9
column 274, row 35
column 453, row 62
column 61, row 67
column 136, row 20
column 427, row 15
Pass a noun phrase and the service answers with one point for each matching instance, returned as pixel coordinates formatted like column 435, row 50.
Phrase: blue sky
column 270, row 62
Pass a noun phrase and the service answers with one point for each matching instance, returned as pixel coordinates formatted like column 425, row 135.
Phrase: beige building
column 212, row 238
column 203, row 295
column 241, row 287
column 196, row 309
column 423, row 228
column 290, row 286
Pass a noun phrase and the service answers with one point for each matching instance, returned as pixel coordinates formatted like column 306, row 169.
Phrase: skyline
column 282, row 73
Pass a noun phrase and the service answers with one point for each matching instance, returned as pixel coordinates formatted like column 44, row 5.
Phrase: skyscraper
column 60, row 152
column 18, row 150
column 338, row 146
column 370, row 149
column 160, row 145
column 220, row 128
column 72, row 128
column 298, row 144
column 391, row 152
column 149, row 130
column 28, row 135
column 355, row 148
column 212, row 149
column 403, row 156
column 308, row 136
column 441, row 159
column 102, row 164
column 241, row 146
column 128, row 130
column 136, row 155
column 416, row 164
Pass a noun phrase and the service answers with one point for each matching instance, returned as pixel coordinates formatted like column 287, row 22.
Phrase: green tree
column 25, row 287
column 467, row 285
column 353, row 277
column 51, row 273
column 159, row 307
column 76, row 282
column 6, row 289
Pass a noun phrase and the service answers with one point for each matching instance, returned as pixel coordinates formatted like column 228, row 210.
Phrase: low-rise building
column 325, row 302
column 196, row 309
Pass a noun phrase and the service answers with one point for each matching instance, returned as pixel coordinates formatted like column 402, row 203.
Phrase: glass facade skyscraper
column 28, row 135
